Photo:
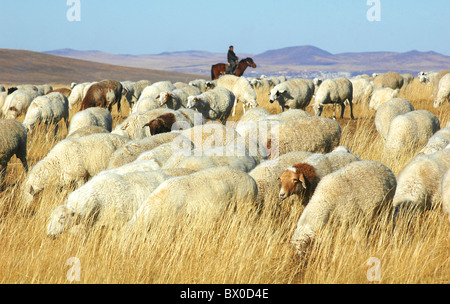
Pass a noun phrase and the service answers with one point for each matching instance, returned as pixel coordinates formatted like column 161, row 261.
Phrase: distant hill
column 296, row 59
column 20, row 66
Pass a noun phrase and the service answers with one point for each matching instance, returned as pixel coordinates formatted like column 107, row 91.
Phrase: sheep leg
column 351, row 109
column 342, row 109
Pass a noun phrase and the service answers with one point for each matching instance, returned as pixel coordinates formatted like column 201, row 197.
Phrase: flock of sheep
column 167, row 155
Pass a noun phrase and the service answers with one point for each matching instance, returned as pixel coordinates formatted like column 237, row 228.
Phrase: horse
column 220, row 68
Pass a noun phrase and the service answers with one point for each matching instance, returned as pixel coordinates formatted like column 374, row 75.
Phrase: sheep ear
column 301, row 178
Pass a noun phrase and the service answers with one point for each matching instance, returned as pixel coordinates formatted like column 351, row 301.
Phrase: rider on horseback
column 232, row 60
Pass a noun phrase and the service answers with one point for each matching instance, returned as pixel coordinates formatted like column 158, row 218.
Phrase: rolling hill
column 21, row 66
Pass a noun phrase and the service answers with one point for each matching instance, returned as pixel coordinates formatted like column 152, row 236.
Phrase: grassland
column 241, row 247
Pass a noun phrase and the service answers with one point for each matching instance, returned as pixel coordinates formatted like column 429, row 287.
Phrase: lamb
column 71, row 162
column 388, row 111
column 439, row 141
column 48, row 109
column 443, row 94
column 156, row 88
column 410, row 131
column 206, row 194
column 318, row 135
column 302, row 178
column 335, row 91
column 446, row 194
column 13, row 141
column 213, row 104
column 293, row 94
column 391, row 80
column 108, row 198
column 242, row 90
column 105, row 93
column 95, row 116
column 18, row 103
column 381, row 96
column 178, row 98
column 359, row 191
column 419, row 183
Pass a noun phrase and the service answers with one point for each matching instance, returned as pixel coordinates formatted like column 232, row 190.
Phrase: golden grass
column 241, row 247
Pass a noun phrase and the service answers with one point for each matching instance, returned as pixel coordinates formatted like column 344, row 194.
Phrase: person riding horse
column 232, row 60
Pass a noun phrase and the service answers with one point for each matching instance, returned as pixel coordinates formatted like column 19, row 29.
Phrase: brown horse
column 220, row 68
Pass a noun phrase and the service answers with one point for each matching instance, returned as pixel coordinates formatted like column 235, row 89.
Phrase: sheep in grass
column 95, row 116
column 334, row 91
column 109, row 199
column 302, row 178
column 359, row 191
column 439, row 141
column 77, row 94
column 18, row 102
column 105, row 93
column 177, row 98
column 446, row 194
column 293, row 94
column 205, row 195
column 419, row 183
column 388, row 111
column 443, row 94
column 362, row 91
column 215, row 104
column 242, row 90
column 391, row 80
column 13, row 141
column 409, row 132
column 71, row 163
column 381, row 96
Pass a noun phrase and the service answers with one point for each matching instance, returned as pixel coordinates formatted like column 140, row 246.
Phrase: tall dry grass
column 241, row 247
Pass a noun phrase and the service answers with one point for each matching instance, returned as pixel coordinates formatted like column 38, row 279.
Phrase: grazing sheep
column 49, row 110
column 213, row 104
column 108, row 198
column 77, row 94
column 242, row 90
column 443, row 94
column 18, row 103
column 178, row 98
column 156, row 88
column 202, row 84
column 71, row 162
column 95, row 116
column 85, row 131
column 205, row 194
column 161, row 124
column 302, row 178
column 163, row 152
column 293, row 94
column 446, row 194
column 134, row 127
column 356, row 192
column 145, row 104
column 314, row 134
column 410, row 131
column 13, row 141
column 419, row 183
column 437, row 142
column 105, row 93
column 391, row 80
column 362, row 91
column 388, row 111
column 381, row 96
column 334, row 91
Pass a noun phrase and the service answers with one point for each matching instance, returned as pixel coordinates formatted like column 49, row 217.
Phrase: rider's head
column 231, row 47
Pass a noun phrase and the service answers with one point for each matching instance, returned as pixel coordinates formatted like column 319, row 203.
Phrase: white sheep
column 163, row 152
column 215, row 104
column 13, row 141
column 199, row 83
column 108, row 198
column 293, row 94
column 205, row 194
column 18, row 102
column 178, row 98
column 381, row 96
column 71, row 162
column 145, row 104
column 388, row 111
column 139, row 86
column 156, row 88
column 85, row 131
column 419, row 183
column 334, row 91
column 446, row 194
column 443, row 94
column 356, row 192
column 95, row 116
column 77, row 94
column 362, row 91
column 410, row 131
column 48, row 109
column 242, row 90
column 3, row 96
column 437, row 142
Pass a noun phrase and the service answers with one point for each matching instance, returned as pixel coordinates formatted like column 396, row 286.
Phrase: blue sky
column 252, row 26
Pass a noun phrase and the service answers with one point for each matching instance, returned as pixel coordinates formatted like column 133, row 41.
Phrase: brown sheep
column 391, row 80
column 105, row 94
column 299, row 179
column 161, row 124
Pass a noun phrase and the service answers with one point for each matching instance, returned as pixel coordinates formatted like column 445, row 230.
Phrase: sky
column 253, row 26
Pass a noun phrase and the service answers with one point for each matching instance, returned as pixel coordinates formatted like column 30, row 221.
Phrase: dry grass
column 241, row 247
